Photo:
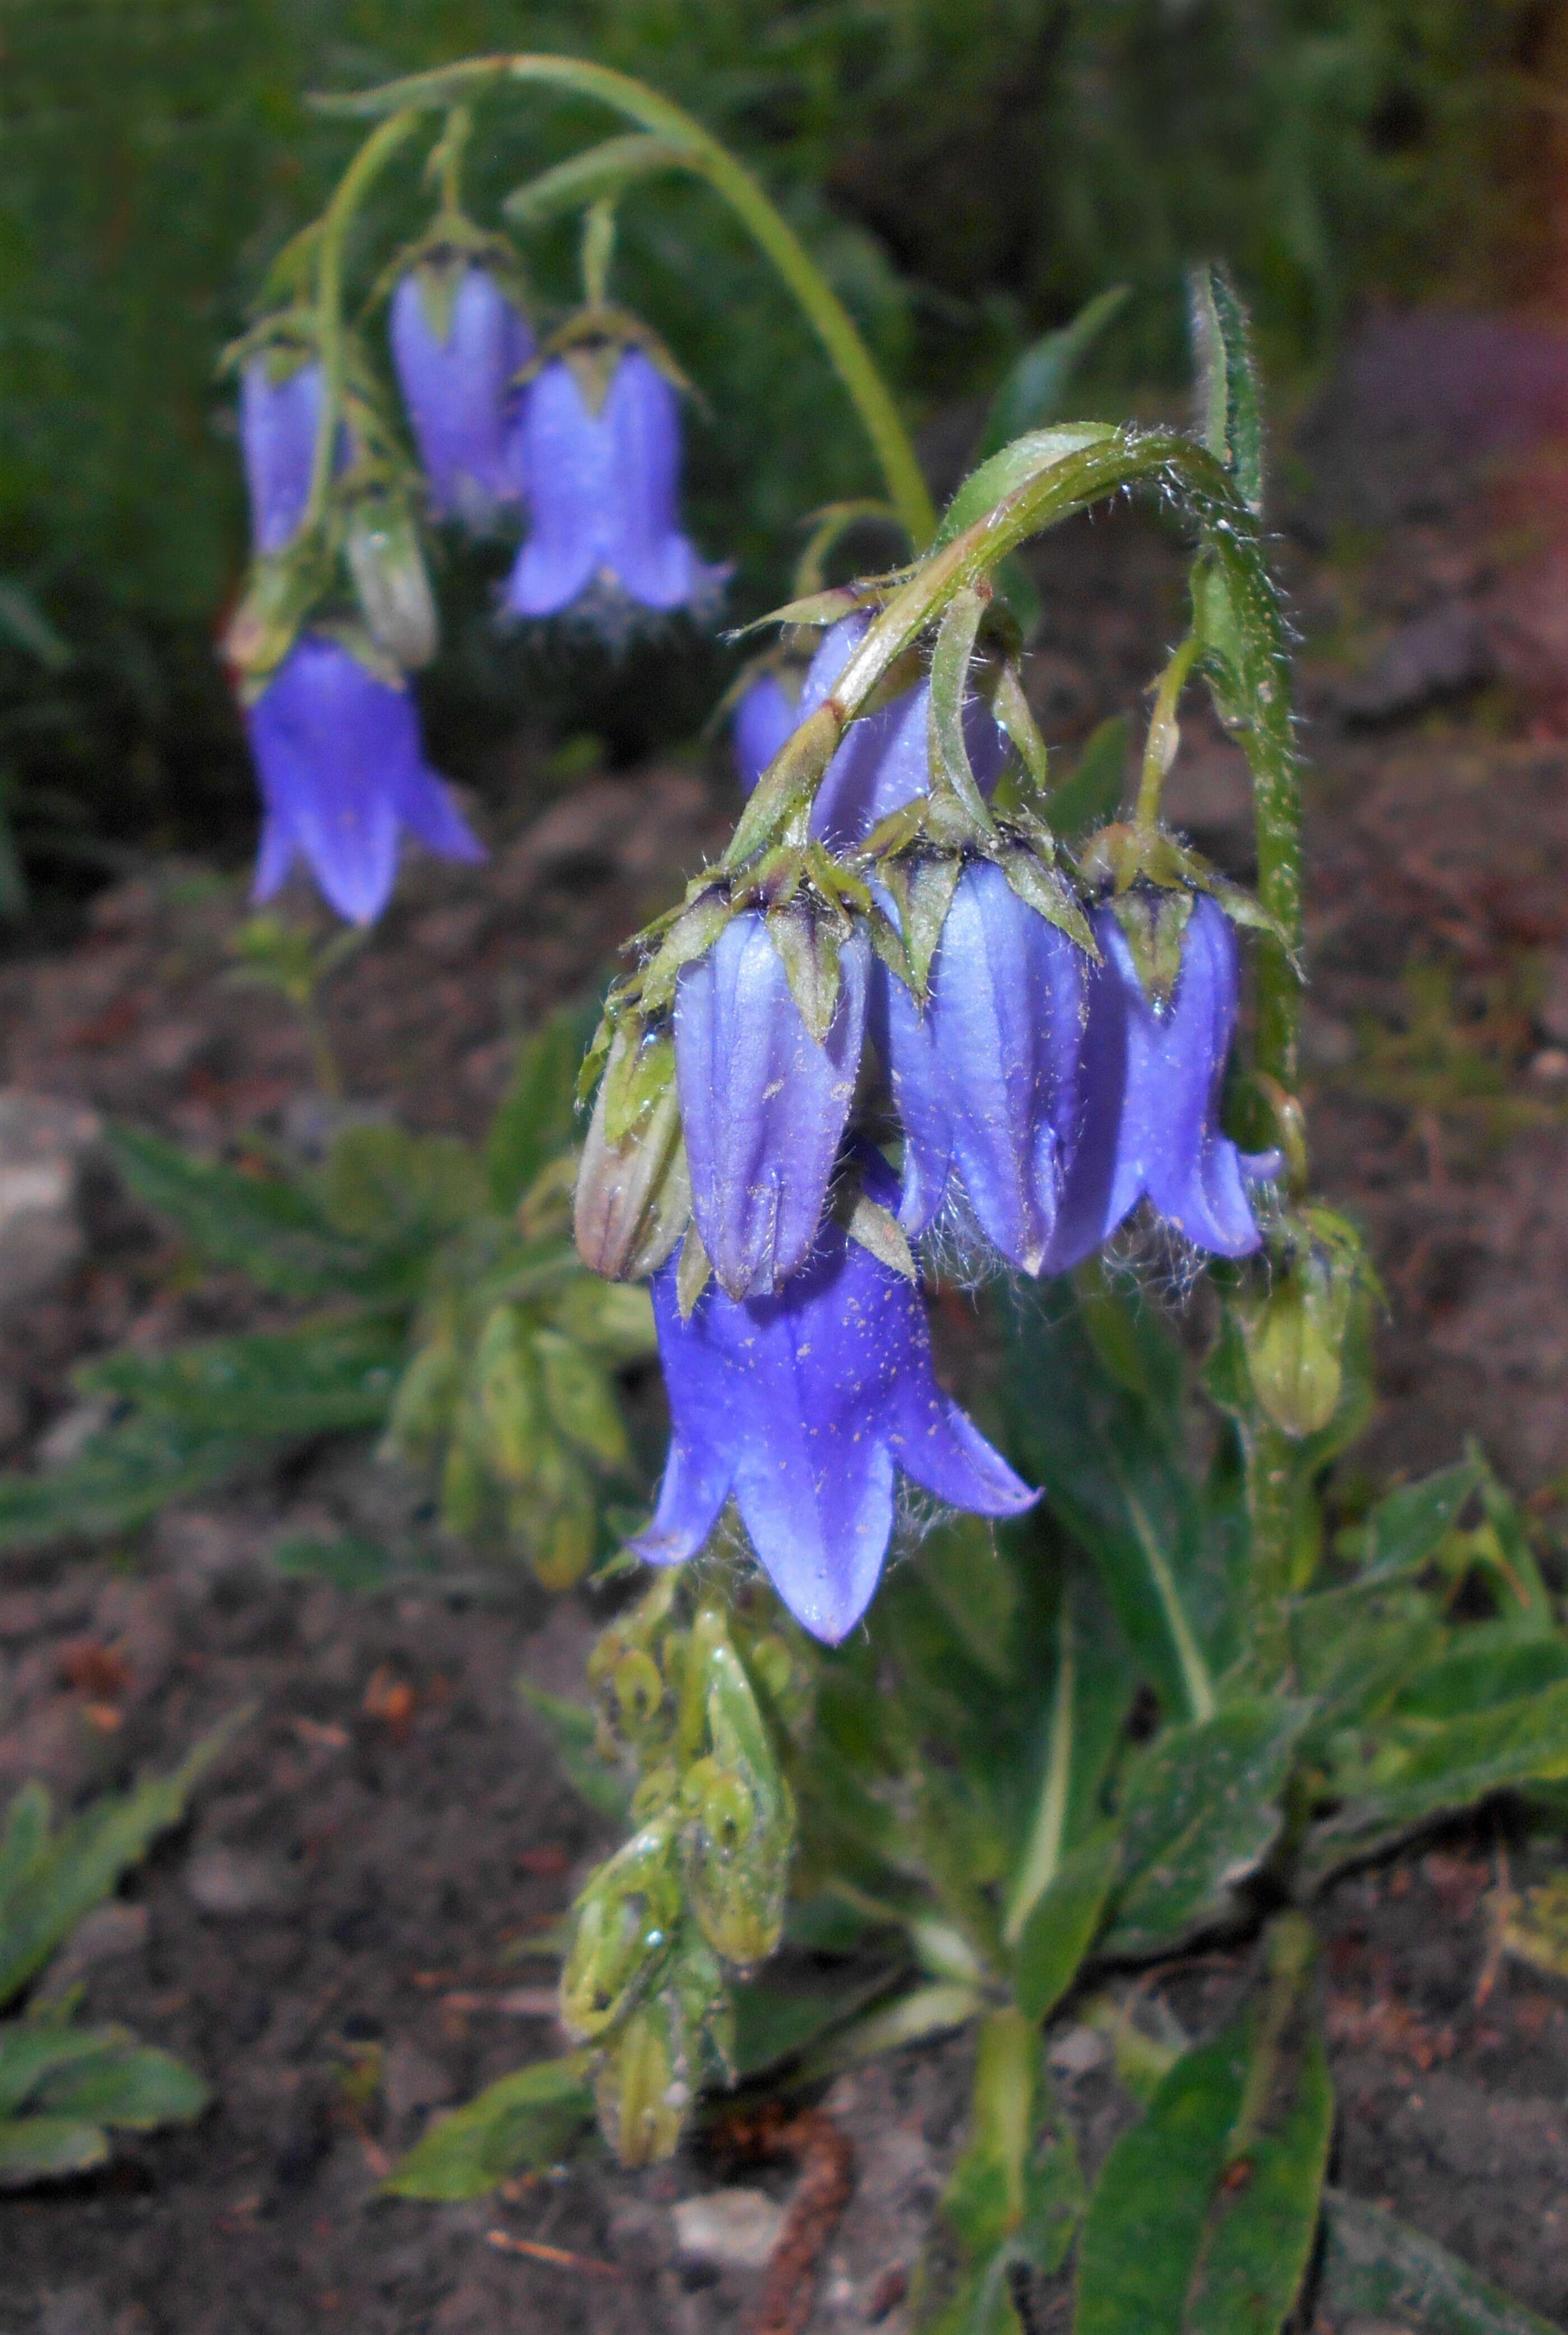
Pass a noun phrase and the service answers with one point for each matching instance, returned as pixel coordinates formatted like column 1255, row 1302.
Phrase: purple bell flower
column 985, row 1080
column 277, row 427
column 1151, row 1089
column 600, row 488
column 803, row 1407
column 882, row 762
column 457, row 387
column 765, row 714
column 763, row 1104
column 343, row 773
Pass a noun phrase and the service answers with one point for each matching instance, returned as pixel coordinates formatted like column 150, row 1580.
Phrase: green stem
column 377, row 151
column 703, row 153
column 1165, row 460
column 1271, row 1460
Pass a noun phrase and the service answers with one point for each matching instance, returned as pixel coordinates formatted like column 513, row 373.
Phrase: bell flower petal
column 342, row 770
column 457, row 385
column 601, row 491
column 278, row 416
column 763, row 1103
column 1151, row 1089
column 985, row 1077
column 805, row 1407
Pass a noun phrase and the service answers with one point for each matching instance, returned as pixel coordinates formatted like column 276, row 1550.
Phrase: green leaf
column 523, row 2123
column 39, row 2148
column 264, row 1226
column 123, row 1478
column 349, row 1562
column 1199, row 1812
column 1375, row 2269
column 395, row 1190
column 1202, row 2219
column 597, row 172
column 1062, row 1925
column 317, row 1379
column 87, row 1858
column 130, row 2087
column 1111, row 1467
column 535, row 1121
column 1015, row 2194
column 1407, row 1526
column 1489, row 1663
column 1025, row 458
column 1412, row 1772
column 1228, row 381
column 574, row 1730
column 36, row 2048
column 1031, row 391
column 771, row 2026
column 580, row 1398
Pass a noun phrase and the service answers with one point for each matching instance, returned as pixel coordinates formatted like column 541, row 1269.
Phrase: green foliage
column 65, row 2088
column 1202, row 2217
column 1375, row 2269
column 452, row 1315
column 521, row 2124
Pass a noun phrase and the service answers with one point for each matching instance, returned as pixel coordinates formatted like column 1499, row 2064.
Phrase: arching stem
column 702, row 153
column 338, row 217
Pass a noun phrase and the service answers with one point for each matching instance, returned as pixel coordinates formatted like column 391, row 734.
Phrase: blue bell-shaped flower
column 343, row 773
column 279, row 412
column 805, row 1407
column 600, row 483
column 1151, row 1082
column 457, row 342
column 985, row 1077
column 763, row 1103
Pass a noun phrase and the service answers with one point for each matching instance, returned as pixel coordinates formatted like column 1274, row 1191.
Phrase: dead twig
column 827, row 2178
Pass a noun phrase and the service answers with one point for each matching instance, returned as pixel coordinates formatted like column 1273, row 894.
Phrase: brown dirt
column 363, row 1872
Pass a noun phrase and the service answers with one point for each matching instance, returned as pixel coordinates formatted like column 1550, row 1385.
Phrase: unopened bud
column 633, row 1197
column 626, row 1918
column 642, row 2089
column 382, row 547
column 1295, row 1339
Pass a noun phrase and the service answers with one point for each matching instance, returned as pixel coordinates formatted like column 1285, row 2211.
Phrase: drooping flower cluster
column 586, row 442
column 914, row 969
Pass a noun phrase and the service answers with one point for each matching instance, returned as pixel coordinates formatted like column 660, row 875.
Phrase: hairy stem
column 703, row 153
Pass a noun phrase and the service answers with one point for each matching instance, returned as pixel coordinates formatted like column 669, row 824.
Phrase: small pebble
column 735, row 2228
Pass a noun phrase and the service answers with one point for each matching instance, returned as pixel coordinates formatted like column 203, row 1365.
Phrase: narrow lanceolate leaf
column 1015, row 715
column 950, row 661
column 1375, row 2271
column 123, row 1478
column 535, row 1119
column 1031, row 392
column 1437, row 1767
column 70, row 1875
column 40, row 2148
column 1199, row 1812
column 923, row 886
column 1062, row 1924
column 266, row 1226
column 1202, row 2220
column 313, row 1380
column 1408, row 1528
column 808, row 947
column 1231, row 412
column 521, row 2124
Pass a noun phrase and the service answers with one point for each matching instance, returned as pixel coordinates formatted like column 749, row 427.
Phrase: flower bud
column 381, row 546
column 626, row 1918
column 1294, row 1337
column 634, row 1195
column 641, row 2086
column 458, row 342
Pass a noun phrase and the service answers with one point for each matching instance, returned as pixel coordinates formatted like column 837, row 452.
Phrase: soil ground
column 361, row 1874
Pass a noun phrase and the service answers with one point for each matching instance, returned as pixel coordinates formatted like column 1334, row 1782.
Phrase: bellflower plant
column 1150, row 1086
column 1041, row 1754
column 985, row 1077
column 805, row 1408
column 343, row 774
column 763, row 1102
column 457, row 342
column 599, row 474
